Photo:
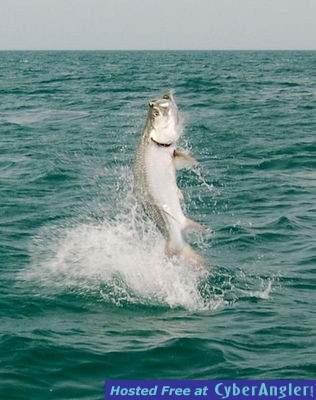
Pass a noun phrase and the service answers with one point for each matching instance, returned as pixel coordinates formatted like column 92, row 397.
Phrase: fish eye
column 166, row 97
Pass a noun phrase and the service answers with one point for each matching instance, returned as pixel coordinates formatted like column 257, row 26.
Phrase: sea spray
column 121, row 261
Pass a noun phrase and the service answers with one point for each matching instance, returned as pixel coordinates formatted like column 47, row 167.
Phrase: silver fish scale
column 141, row 190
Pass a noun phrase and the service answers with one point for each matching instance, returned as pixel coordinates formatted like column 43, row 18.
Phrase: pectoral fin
column 183, row 160
column 190, row 224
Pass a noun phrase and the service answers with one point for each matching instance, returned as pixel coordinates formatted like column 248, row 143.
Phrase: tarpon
column 155, row 184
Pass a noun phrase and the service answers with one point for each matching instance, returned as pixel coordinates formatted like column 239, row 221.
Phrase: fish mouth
column 154, row 108
column 163, row 107
column 165, row 101
column 164, row 119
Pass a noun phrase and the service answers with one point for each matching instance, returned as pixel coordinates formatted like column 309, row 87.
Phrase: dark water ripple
column 83, row 297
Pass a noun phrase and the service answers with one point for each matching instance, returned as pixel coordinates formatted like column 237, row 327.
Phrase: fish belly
column 161, row 182
column 156, row 189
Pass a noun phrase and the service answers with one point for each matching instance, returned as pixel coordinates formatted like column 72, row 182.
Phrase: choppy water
column 85, row 294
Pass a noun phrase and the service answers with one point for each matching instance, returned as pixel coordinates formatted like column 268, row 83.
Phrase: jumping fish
column 155, row 186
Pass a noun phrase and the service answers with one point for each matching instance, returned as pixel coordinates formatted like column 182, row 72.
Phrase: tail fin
column 186, row 252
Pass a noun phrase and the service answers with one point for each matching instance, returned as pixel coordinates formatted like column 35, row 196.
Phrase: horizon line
column 153, row 50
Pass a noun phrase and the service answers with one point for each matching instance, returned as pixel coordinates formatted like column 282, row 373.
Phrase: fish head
column 165, row 120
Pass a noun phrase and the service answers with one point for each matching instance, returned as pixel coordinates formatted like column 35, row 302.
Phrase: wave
column 38, row 116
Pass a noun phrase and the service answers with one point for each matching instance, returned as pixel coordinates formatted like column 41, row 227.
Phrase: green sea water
column 85, row 292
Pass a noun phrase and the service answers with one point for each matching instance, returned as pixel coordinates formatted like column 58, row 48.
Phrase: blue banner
column 210, row 389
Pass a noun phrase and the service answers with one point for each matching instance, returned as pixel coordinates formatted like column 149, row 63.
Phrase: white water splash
column 259, row 294
column 201, row 179
column 122, row 261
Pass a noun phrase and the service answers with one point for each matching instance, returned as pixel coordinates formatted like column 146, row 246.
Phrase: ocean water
column 85, row 292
